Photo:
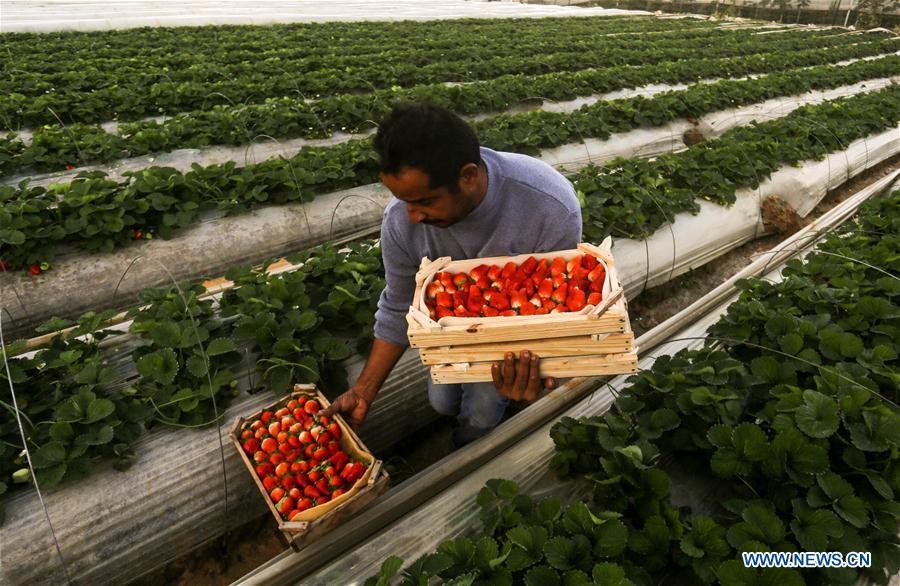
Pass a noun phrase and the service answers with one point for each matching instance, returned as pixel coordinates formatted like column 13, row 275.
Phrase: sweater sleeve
column 400, row 285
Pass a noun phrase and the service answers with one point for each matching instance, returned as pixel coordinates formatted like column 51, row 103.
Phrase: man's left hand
column 517, row 379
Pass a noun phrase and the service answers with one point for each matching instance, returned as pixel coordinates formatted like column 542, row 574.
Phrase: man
column 454, row 198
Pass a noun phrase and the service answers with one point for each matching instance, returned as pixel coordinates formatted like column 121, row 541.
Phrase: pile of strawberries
column 299, row 457
column 534, row 288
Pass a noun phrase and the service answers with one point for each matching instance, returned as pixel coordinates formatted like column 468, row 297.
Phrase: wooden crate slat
column 555, row 367
column 545, row 348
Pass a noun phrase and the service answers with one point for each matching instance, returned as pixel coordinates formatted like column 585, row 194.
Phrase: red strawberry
column 251, row 445
column 276, row 494
column 460, row 311
column 443, row 312
column 597, row 274
column 478, row 272
column 312, row 407
column 476, row 299
column 545, row 289
column 321, row 454
column 499, row 301
column 444, row 299
column 295, row 493
column 335, row 481
column 323, row 499
column 559, row 294
column 285, row 448
column 517, row 299
column 489, row 311
column 266, row 416
column 270, row 483
column 542, row 270
column 460, row 280
column 302, row 505
column 310, row 450
column 574, row 263
column 548, row 304
column 288, row 482
column 559, row 279
column 339, row 460
column 594, row 298
column 508, row 270
column 443, row 277
column 508, row 312
column 541, row 311
column 483, row 283
column 314, row 475
column 461, row 297
column 138, row 234
column 529, row 266
column 281, row 413
column 282, row 469
column 35, row 269
column 596, row 286
column 311, row 492
column 494, row 273
column 337, row 492
column 576, row 299
column 433, row 289
column 265, row 469
column 535, row 300
column 559, row 309
column 269, row 445
column 589, row 262
column 335, row 430
column 322, row 486
column 530, row 288
column 527, row 309
column 302, row 480
column 558, row 266
column 286, row 505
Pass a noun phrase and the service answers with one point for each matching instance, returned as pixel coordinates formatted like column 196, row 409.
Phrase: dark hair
column 429, row 138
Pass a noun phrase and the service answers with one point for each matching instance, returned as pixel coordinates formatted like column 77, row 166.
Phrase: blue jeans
column 478, row 408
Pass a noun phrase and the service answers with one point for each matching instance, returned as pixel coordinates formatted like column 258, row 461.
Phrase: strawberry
column 251, row 445
column 270, row 483
column 433, row 289
column 321, row 454
column 256, row 425
column 576, row 299
column 529, row 266
column 282, row 469
column 589, row 262
column 138, row 234
column 548, row 304
column 35, row 269
column 444, row 299
column 335, row 481
column 594, row 298
column 302, row 480
column 265, row 469
column 299, row 414
column 302, row 505
column 560, row 309
column 558, row 266
column 540, row 272
column 597, row 274
column 312, row 407
column 337, row 492
column 276, row 458
column 281, row 413
column 323, row 438
column 460, row 280
column 530, row 288
column 476, row 299
column 323, row 499
column 274, row 428
column 261, row 433
column 282, row 437
column 339, row 460
column 545, row 289
column 310, row 450
column 573, row 264
column 483, row 283
column 508, row 312
column 322, row 486
column 478, row 272
column 535, row 300
column 334, row 429
column 527, row 309
column 276, row 494
column 295, row 515
column 499, row 301
column 444, row 312
column 306, row 437
column 508, row 270
column 311, row 492
column 517, row 300
column 460, row 311
column 285, row 448
column 559, row 294
column 494, row 273
column 266, row 416
column 489, row 311
column 597, row 286
column 269, row 445
column 559, row 280
column 444, row 278
column 314, row 475
column 295, row 493
column 291, row 405
column 541, row 311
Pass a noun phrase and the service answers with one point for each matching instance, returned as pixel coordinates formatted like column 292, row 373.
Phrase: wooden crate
column 596, row 340
column 320, row 520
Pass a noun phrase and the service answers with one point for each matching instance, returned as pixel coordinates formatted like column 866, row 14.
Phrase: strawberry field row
column 789, row 412
column 54, row 147
column 52, row 51
column 132, row 100
column 140, row 74
column 95, row 213
column 78, row 411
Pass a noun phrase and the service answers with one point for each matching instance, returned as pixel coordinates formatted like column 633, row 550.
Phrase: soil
column 246, row 548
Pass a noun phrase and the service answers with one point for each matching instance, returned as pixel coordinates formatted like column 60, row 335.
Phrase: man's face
column 436, row 207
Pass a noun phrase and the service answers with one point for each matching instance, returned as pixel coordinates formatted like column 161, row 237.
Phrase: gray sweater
column 529, row 207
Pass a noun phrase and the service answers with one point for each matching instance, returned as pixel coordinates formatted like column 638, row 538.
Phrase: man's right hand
column 352, row 405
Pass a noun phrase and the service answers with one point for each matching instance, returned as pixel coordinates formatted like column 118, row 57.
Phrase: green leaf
column 576, row 578
column 49, row 454
column 560, row 553
column 750, row 441
column 791, row 343
column 818, row 417
column 160, row 366
column 166, row 334
column 542, row 576
column 101, row 436
column 813, row 528
column 609, row 574
column 834, row 486
column 196, row 366
column 219, row 346
column 51, row 476
column 62, row 432
column 853, row 510
column 99, row 409
column 611, row 539
column 767, row 368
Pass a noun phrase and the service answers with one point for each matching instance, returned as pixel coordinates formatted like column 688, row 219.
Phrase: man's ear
column 468, row 175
